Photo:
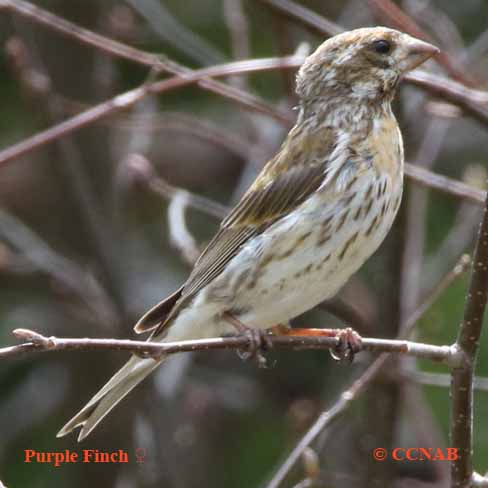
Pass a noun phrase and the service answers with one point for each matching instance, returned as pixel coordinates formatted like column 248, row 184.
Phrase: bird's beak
column 417, row 53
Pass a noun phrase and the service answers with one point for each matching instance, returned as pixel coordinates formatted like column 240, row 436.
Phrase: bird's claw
column 259, row 343
column 350, row 342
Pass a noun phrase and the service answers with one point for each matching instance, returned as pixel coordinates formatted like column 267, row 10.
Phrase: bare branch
column 442, row 380
column 238, row 27
column 473, row 102
column 189, row 124
column 118, row 49
column 444, row 184
column 35, row 342
column 66, row 273
column 319, row 24
column 415, row 216
column 144, row 174
column 180, row 236
column 462, row 378
column 128, row 99
column 171, row 30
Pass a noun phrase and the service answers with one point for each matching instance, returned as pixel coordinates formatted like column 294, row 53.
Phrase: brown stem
column 462, row 378
column 118, row 49
column 35, row 342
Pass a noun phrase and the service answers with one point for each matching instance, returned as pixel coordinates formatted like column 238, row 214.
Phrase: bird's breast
column 385, row 146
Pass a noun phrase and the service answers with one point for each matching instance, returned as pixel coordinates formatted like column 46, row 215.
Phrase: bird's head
column 364, row 64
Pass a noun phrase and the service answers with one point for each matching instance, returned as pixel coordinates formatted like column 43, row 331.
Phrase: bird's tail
column 121, row 383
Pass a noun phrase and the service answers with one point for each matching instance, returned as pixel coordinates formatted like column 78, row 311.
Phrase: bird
column 315, row 213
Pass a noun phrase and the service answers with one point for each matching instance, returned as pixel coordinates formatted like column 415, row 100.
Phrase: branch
column 66, row 273
column 171, row 30
column 35, row 342
column 143, row 173
column 313, row 21
column 462, row 378
column 442, row 380
column 179, row 235
column 473, row 102
column 120, row 50
column 128, row 99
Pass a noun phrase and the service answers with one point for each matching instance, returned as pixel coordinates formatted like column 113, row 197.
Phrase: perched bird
column 314, row 214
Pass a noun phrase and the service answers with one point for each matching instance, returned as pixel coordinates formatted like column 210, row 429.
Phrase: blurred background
column 99, row 225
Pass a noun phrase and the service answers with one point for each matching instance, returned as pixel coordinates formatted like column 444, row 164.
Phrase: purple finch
column 315, row 213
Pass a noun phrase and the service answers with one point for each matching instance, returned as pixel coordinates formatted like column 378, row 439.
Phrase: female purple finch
column 315, row 213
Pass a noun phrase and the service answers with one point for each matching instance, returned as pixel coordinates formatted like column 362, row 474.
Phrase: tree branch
column 425, row 177
column 128, row 99
column 120, row 50
column 462, row 378
column 35, row 342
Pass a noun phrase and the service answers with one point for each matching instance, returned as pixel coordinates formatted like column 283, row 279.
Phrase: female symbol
column 140, row 455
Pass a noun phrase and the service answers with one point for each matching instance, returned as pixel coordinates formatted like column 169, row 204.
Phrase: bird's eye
column 382, row 46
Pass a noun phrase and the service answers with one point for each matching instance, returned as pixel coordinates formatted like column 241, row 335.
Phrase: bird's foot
column 259, row 342
column 350, row 342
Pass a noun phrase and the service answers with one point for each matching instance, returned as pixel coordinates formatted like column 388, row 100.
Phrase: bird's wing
column 157, row 314
column 284, row 183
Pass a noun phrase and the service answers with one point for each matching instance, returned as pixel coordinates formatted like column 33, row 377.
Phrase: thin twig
column 118, row 49
column 415, row 218
column 462, row 378
column 442, row 380
column 444, row 184
column 437, row 21
column 180, row 237
column 190, row 125
column 66, row 273
column 317, row 23
column 128, row 99
column 477, row 49
column 239, row 33
column 172, row 31
column 35, row 342
column 473, row 102
column 425, row 428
